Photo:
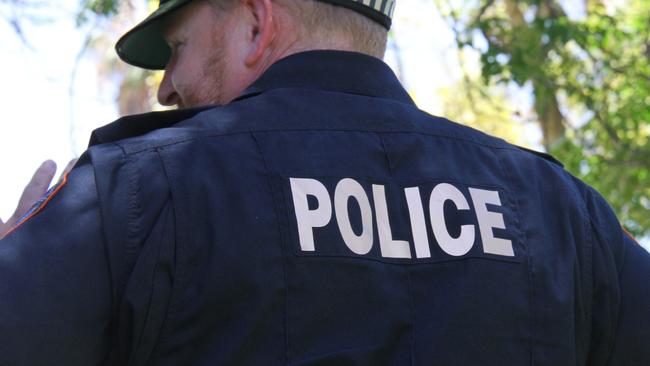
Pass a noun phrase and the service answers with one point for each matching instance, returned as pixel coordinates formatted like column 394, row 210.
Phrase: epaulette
column 542, row 155
column 139, row 124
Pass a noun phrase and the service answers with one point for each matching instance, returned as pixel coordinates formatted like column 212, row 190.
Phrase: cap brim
column 144, row 45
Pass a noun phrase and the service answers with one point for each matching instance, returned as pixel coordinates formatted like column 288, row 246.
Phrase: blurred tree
column 137, row 87
column 590, row 78
column 482, row 107
column 18, row 12
column 101, row 21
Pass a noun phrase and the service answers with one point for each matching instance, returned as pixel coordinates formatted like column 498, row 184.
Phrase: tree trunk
column 550, row 117
column 546, row 105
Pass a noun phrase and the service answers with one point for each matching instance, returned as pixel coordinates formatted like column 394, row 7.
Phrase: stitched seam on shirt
column 611, row 329
column 411, row 315
column 588, row 271
column 282, row 245
column 319, row 90
column 133, row 226
column 614, row 314
column 147, row 317
column 369, row 131
column 178, row 282
column 408, row 272
column 115, row 278
column 386, row 154
column 531, row 275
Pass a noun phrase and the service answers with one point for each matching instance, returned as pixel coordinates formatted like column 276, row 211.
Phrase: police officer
column 316, row 217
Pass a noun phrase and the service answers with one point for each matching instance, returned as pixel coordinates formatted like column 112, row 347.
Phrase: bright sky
column 38, row 109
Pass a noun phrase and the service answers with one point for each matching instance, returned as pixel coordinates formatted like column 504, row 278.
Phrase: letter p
column 308, row 219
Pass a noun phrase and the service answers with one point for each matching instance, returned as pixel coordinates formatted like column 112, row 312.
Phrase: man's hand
column 35, row 189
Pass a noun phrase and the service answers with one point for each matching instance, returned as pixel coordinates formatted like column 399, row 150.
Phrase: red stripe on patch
column 42, row 205
column 627, row 233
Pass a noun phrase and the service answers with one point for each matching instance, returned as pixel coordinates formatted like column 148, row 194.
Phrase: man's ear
column 261, row 27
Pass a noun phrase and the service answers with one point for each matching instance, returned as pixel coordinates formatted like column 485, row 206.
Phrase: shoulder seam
column 149, row 147
column 543, row 155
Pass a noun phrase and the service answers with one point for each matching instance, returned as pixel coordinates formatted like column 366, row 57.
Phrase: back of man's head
column 353, row 25
column 210, row 57
column 321, row 25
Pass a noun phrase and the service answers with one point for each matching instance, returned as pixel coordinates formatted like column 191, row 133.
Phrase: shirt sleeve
column 632, row 334
column 621, row 291
column 55, row 298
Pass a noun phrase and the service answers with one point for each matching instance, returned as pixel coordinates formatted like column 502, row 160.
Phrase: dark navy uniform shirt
column 320, row 219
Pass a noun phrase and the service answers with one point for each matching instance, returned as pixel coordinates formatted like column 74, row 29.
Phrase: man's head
column 219, row 47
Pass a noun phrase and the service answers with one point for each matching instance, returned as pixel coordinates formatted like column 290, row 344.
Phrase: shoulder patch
column 629, row 235
column 41, row 203
column 542, row 155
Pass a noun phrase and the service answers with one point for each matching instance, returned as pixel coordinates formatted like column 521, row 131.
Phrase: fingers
column 36, row 188
column 4, row 228
column 68, row 168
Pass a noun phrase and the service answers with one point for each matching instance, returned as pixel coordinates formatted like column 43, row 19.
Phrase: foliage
column 19, row 12
column 102, row 8
column 590, row 75
column 484, row 108
column 136, row 89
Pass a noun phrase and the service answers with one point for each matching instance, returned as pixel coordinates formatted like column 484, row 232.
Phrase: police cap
column 144, row 45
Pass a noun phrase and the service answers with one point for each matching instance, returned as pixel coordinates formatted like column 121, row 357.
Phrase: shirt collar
column 337, row 71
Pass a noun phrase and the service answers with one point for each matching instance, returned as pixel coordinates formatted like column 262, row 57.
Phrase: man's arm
column 632, row 334
column 620, row 269
column 55, row 296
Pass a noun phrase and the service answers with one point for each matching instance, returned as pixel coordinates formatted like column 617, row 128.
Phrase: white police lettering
column 442, row 193
column 309, row 219
column 346, row 189
column 418, row 225
column 389, row 248
column 488, row 220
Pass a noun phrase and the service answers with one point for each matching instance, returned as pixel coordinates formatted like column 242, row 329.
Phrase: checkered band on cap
column 380, row 11
column 144, row 45
column 386, row 7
